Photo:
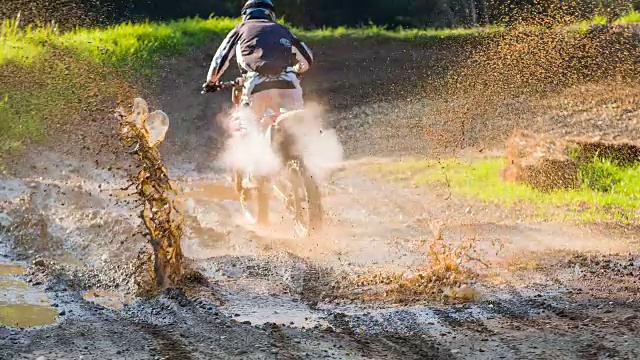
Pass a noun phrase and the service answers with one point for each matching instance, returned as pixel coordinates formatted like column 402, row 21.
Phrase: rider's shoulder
column 272, row 26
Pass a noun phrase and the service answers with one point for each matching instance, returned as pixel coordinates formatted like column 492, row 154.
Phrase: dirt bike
column 293, row 185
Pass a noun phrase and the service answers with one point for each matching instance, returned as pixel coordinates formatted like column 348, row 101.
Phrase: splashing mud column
column 142, row 132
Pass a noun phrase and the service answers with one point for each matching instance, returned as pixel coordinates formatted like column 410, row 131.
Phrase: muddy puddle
column 22, row 305
column 280, row 311
column 108, row 299
column 202, row 190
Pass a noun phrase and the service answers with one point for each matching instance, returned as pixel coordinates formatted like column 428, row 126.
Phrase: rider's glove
column 209, row 87
column 298, row 69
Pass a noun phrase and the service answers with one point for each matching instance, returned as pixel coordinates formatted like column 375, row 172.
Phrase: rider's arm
column 303, row 55
column 223, row 55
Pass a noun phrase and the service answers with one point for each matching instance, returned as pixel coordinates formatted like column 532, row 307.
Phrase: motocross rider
column 269, row 57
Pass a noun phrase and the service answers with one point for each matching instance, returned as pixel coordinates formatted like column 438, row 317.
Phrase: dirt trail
column 556, row 290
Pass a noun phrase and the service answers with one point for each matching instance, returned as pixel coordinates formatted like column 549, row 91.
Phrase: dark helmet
column 258, row 9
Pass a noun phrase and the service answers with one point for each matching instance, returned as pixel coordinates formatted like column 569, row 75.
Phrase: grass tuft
column 632, row 17
column 608, row 191
column 600, row 175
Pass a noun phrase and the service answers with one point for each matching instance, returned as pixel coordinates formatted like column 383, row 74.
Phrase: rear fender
column 288, row 117
column 281, row 137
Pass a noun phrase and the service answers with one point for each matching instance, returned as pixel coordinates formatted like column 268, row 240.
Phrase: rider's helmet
column 258, row 9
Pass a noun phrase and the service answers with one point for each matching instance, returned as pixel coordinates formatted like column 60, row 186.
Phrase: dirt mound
column 540, row 161
column 548, row 163
column 624, row 153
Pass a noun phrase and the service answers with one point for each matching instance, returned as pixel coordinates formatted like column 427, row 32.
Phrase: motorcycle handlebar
column 237, row 83
column 229, row 84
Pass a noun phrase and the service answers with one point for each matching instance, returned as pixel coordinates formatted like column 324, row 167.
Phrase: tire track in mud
column 168, row 347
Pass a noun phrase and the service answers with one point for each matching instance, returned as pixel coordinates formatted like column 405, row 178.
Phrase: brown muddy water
column 22, row 305
column 108, row 299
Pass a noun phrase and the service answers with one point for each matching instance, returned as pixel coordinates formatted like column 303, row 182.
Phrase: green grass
column 126, row 46
column 44, row 74
column 379, row 32
column 632, row 17
column 120, row 51
column 583, row 26
column 117, row 52
column 14, row 132
column 140, row 45
column 608, row 192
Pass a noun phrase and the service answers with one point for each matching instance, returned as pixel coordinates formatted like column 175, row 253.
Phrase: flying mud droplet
column 154, row 125
column 320, row 147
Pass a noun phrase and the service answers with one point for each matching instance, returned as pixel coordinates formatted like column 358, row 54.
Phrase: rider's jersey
column 263, row 47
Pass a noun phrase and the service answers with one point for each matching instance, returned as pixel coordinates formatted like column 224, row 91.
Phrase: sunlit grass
column 584, row 25
column 14, row 132
column 135, row 46
column 480, row 179
column 140, row 45
column 380, row 32
column 632, row 17
column 132, row 49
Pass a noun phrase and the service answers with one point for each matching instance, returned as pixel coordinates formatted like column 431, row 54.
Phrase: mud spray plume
column 142, row 132
column 319, row 147
column 533, row 75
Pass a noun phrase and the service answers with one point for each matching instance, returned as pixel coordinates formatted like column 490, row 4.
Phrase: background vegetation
column 58, row 56
column 316, row 13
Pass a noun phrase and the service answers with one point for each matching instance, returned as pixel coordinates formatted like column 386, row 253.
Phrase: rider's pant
column 275, row 99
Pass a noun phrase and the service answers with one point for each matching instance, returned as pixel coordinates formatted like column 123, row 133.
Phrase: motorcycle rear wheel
column 301, row 196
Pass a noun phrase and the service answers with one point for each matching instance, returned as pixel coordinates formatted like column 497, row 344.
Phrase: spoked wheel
column 301, row 196
column 254, row 200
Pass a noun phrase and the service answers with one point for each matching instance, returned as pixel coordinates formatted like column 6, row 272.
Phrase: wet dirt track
column 555, row 291
column 257, row 278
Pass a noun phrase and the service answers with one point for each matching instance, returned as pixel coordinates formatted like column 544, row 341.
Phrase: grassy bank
column 46, row 74
column 632, row 17
column 608, row 191
column 140, row 45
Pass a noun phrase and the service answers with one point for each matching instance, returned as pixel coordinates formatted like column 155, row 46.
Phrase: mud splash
column 142, row 131
column 540, row 74
column 22, row 305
